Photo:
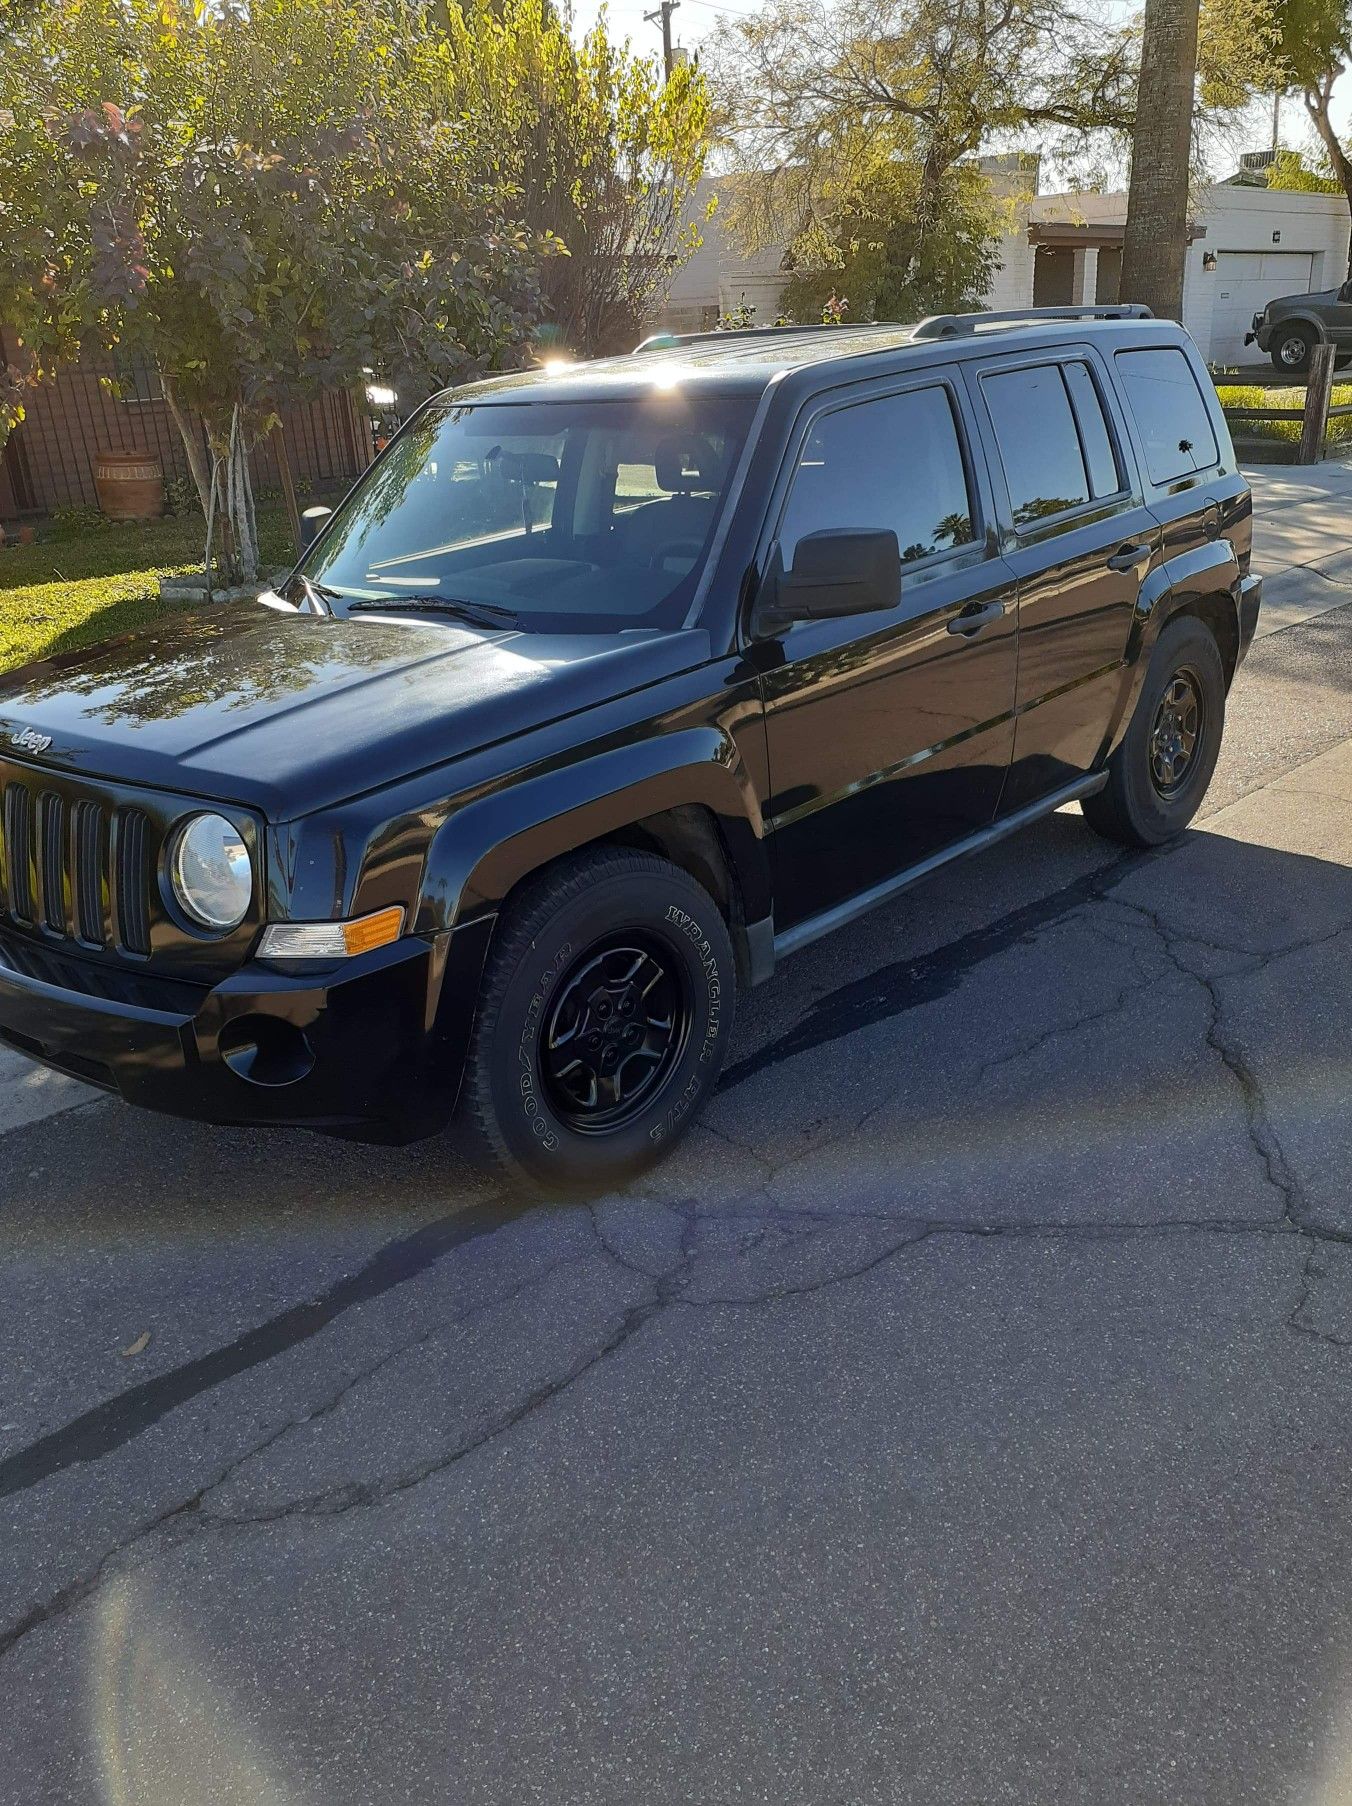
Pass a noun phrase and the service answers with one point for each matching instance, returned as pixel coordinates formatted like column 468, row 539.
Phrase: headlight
column 211, row 873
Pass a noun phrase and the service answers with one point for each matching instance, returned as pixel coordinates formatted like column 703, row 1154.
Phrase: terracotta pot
column 129, row 485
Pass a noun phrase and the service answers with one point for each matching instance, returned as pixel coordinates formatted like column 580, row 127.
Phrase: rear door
column 1191, row 480
column 888, row 734
column 1076, row 531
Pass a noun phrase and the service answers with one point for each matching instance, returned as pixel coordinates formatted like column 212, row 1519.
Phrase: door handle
column 1126, row 558
column 975, row 616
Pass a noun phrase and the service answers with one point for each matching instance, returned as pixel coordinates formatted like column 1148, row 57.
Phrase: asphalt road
column 964, row 1415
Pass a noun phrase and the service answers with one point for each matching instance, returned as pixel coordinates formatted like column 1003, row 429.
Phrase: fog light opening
column 264, row 1050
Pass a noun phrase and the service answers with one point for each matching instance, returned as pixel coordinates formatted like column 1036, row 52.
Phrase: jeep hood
column 292, row 712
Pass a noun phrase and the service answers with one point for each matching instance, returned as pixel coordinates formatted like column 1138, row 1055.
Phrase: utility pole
column 664, row 11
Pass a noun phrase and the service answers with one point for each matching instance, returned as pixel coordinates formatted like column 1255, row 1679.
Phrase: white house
column 1246, row 244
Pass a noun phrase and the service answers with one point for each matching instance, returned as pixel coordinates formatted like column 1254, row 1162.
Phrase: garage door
column 1245, row 282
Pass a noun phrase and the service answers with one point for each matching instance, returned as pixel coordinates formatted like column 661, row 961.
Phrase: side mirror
column 310, row 523
column 839, row 571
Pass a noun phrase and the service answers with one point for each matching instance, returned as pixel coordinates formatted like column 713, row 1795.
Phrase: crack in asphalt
column 130, row 1413
column 75, row 1592
column 897, row 988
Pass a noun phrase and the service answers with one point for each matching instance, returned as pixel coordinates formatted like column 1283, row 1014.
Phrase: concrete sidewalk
column 1302, row 543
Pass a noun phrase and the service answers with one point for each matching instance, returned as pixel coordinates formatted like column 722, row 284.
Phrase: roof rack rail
column 665, row 341
column 952, row 326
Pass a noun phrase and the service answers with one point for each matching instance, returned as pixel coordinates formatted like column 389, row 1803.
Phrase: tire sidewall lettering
column 685, row 924
column 533, row 1109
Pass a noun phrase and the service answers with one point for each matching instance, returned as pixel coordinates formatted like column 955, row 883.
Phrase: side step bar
column 853, row 907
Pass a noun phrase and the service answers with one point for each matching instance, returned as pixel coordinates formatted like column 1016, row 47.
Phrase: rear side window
column 1039, row 444
column 1163, row 396
column 892, row 462
column 1095, row 440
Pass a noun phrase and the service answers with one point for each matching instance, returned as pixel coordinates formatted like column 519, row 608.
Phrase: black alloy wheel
column 618, row 1025
column 1177, row 728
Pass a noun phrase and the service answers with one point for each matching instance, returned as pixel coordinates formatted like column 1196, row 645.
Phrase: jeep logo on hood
column 30, row 740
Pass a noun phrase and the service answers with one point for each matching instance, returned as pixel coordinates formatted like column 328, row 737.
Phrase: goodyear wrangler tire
column 606, row 1010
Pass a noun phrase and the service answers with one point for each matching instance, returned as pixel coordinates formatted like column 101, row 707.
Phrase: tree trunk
column 1317, row 106
column 239, row 503
column 1154, row 250
column 192, row 443
column 288, row 483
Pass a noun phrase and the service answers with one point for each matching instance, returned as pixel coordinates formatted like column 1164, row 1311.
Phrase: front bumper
column 372, row 1050
column 1259, row 333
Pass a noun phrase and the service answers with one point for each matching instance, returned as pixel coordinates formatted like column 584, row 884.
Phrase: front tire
column 1160, row 772
column 1292, row 349
column 605, row 1015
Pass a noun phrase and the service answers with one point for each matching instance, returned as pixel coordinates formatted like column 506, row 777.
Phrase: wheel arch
column 683, row 797
column 1203, row 582
column 1303, row 318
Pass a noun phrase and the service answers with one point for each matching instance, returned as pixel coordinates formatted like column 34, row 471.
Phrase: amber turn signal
column 331, row 940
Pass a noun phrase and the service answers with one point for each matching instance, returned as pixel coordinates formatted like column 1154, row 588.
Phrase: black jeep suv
column 605, row 689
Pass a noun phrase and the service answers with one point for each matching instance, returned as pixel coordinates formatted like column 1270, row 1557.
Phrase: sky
column 696, row 19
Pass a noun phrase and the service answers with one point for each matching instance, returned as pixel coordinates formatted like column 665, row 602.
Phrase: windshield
column 563, row 516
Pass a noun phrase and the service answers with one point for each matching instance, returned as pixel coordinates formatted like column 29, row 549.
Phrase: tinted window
column 1039, row 446
column 1095, row 441
column 1163, row 395
column 895, row 462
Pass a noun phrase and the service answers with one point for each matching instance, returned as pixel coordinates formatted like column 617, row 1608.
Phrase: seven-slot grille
column 76, row 870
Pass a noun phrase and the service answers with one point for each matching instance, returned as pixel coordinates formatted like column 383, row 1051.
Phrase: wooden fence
column 1314, row 416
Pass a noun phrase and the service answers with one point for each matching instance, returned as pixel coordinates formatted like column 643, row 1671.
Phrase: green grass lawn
column 71, row 589
column 1249, row 395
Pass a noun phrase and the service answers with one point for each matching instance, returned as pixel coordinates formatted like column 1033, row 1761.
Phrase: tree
column 257, row 198
column 818, row 101
column 603, row 152
column 1314, row 48
column 1154, row 248
column 862, row 113
column 876, row 257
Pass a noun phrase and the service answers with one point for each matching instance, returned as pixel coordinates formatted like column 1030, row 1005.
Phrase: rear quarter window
column 1171, row 416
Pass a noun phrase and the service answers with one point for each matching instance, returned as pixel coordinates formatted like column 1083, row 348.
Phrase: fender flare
column 1205, row 572
column 1313, row 321
column 485, row 848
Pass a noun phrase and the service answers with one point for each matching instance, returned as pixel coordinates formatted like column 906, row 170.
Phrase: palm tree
column 1156, row 241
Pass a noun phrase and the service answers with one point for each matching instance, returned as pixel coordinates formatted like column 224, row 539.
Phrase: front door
column 889, row 734
column 1080, row 540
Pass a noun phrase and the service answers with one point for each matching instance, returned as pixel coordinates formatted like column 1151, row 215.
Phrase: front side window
column 1167, row 405
column 566, row 516
column 893, row 462
column 1039, row 445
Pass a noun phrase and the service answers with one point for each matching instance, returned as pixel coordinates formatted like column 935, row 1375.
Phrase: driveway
column 963, row 1415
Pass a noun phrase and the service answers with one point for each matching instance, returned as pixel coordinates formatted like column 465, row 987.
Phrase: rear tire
column 1292, row 349
column 1160, row 772
column 605, row 1015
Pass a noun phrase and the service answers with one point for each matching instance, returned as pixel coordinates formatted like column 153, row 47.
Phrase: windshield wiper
column 479, row 614
column 318, row 595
